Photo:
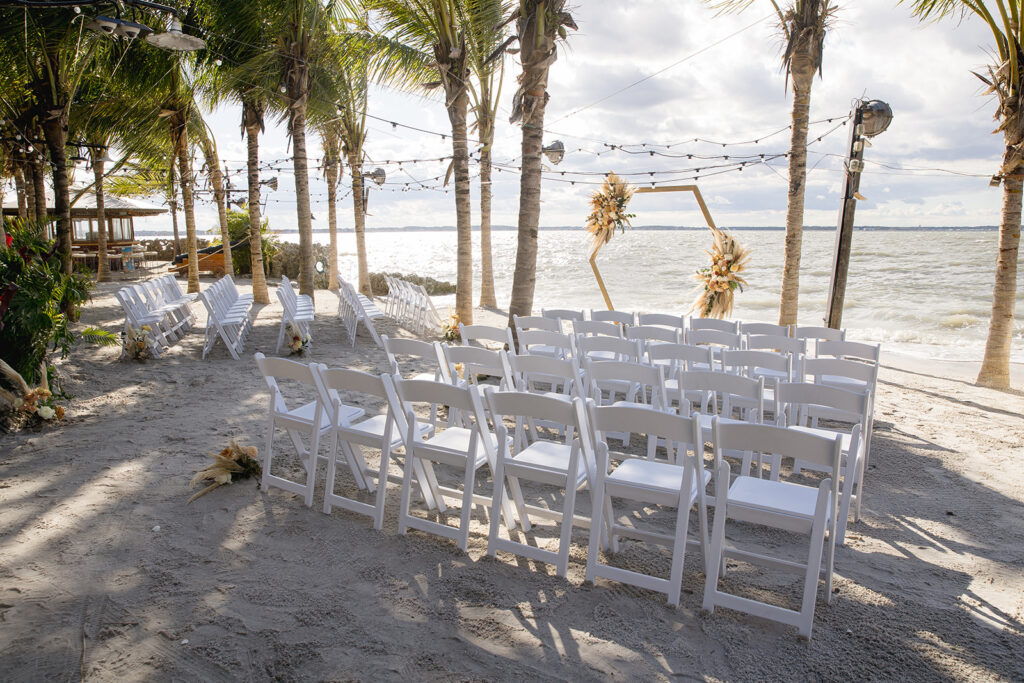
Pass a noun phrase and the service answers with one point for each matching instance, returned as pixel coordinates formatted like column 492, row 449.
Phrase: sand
column 106, row 573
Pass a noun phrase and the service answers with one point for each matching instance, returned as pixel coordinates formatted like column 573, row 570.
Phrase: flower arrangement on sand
column 231, row 464
column 136, row 343
column 720, row 280
column 298, row 342
column 608, row 212
column 39, row 402
column 450, row 329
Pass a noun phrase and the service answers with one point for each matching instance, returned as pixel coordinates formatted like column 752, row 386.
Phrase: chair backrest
column 817, row 332
column 474, row 360
column 404, row 395
column 801, row 403
column 662, row 320
column 609, row 348
column 274, row 370
column 778, row 443
column 722, row 391
column 681, row 355
column 819, row 369
column 562, row 314
column 554, row 343
column 766, row 328
column 524, row 372
column 620, row 317
column 748, row 363
column 649, row 378
column 596, row 328
column 850, row 350
column 653, row 333
column 412, row 348
column 659, row 428
column 330, row 382
column 486, row 333
column 731, row 326
column 535, row 322
column 774, row 342
column 711, row 337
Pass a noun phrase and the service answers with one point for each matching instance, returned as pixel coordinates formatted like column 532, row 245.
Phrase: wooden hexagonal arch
column 646, row 190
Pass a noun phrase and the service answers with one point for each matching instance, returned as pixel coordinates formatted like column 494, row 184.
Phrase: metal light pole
column 869, row 119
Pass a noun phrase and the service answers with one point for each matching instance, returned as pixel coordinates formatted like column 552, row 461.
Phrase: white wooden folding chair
column 310, row 420
column 730, row 326
column 675, row 322
column 481, row 335
column 546, row 343
column 475, row 362
column 366, row 311
column 652, row 335
column 352, row 433
column 596, row 328
column 728, row 398
column 465, row 448
column 716, row 340
column 778, row 504
column 296, row 312
column 563, row 315
column 543, row 375
column 850, row 350
column 618, row 317
column 535, row 322
column 567, row 464
column 766, row 328
column 797, row 348
column 228, row 323
column 136, row 316
column 680, row 485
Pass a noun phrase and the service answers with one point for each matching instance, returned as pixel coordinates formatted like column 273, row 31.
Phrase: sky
column 709, row 77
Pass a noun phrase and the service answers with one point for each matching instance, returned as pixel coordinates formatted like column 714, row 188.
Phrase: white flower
column 45, row 412
column 728, row 257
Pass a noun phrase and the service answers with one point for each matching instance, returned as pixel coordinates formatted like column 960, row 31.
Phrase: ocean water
column 923, row 292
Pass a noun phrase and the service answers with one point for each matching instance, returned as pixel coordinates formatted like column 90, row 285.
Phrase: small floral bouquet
column 609, row 211
column 299, row 343
column 450, row 330
column 720, row 280
column 137, row 343
column 39, row 402
column 231, row 464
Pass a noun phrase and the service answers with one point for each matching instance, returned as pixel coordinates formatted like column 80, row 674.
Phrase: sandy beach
column 107, row 574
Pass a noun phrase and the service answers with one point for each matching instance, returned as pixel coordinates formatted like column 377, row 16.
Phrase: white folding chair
column 617, row 317
column 680, row 485
column 728, row 398
column 466, row 448
column 543, row 375
column 596, row 328
column 568, row 464
column 766, row 328
column 310, row 420
column 652, row 335
column 778, row 504
column 608, row 348
column 562, row 315
column 546, row 343
column 675, row 322
column 797, row 348
column 730, row 326
column 475, row 361
column 535, row 322
column 715, row 339
column 479, row 335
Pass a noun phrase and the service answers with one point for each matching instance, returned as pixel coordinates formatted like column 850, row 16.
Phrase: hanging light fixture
column 555, row 152
column 377, row 175
column 173, row 39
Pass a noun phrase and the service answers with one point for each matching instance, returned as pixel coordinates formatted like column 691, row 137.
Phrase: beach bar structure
column 120, row 214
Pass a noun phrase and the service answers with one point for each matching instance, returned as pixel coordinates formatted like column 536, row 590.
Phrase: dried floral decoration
column 299, row 343
column 720, row 280
column 137, row 343
column 450, row 330
column 231, row 464
column 609, row 211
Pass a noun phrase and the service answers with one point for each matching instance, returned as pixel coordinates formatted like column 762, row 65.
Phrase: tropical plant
column 803, row 24
column 431, row 32
column 1004, row 80
column 238, row 229
column 539, row 25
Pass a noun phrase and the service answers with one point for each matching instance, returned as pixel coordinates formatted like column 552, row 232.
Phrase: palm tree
column 485, row 33
column 803, row 24
column 1004, row 80
column 539, row 26
column 208, row 144
column 433, row 33
column 330, row 143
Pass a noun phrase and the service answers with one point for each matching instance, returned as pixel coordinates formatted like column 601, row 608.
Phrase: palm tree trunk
column 463, row 208
column 251, row 119
column 55, row 133
column 995, row 367
column 179, row 135
column 788, row 306
column 102, row 264
column 331, row 172
column 174, row 208
column 487, row 298
column 303, row 212
column 359, row 221
column 30, row 190
column 217, row 182
column 39, row 191
column 19, row 188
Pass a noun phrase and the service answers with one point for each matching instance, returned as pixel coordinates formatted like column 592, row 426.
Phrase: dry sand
column 105, row 573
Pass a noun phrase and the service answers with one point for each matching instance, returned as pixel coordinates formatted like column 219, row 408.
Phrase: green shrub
column 238, row 228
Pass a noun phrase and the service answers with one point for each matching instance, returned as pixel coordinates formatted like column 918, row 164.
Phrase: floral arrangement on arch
column 136, row 343
column 608, row 212
column 298, row 343
column 720, row 280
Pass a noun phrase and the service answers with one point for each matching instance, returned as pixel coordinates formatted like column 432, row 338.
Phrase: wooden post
column 844, row 230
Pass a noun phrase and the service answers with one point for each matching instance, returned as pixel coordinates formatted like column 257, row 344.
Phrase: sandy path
column 930, row 585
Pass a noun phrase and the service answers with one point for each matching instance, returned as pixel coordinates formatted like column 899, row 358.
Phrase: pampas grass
column 231, row 464
column 720, row 280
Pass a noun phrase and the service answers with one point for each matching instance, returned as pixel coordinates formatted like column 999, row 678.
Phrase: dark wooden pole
column 844, row 231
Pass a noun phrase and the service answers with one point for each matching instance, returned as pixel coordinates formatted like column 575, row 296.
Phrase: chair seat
column 705, row 421
column 545, row 350
column 457, row 439
column 550, row 456
column 308, row 411
column 843, row 382
column 374, row 426
column 650, row 474
column 768, row 373
column 828, row 434
column 774, row 496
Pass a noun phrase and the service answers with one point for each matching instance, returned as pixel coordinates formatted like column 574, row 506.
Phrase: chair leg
column 403, row 506
column 597, row 526
column 814, row 557
column 517, row 496
column 314, row 450
column 565, row 538
column 675, row 579
column 467, row 503
column 496, row 504
column 715, row 561
column 267, row 456
column 382, row 487
column 332, row 468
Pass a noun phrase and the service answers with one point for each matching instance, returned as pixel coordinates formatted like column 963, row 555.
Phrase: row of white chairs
column 355, row 308
column 411, row 306
column 297, row 310
column 576, row 457
column 227, row 316
column 162, row 306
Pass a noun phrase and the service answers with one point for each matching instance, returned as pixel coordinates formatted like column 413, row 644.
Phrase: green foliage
column 238, row 228
column 34, row 293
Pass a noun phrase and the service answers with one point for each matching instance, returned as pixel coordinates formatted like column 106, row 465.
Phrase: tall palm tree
column 485, row 33
column 208, row 144
column 1005, row 81
column 539, row 26
column 432, row 29
column 803, row 24
column 330, row 143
